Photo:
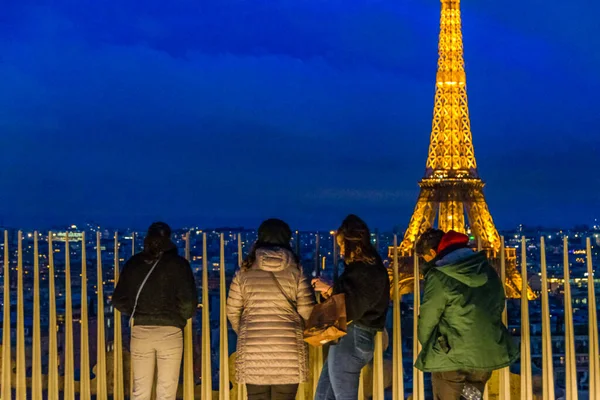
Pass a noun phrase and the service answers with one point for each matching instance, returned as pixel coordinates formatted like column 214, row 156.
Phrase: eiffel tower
column 451, row 185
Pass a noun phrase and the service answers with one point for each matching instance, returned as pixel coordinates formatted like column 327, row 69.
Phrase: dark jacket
column 169, row 297
column 460, row 322
column 367, row 290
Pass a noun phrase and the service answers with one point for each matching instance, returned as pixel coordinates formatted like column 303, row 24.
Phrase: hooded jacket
column 270, row 348
column 169, row 297
column 460, row 322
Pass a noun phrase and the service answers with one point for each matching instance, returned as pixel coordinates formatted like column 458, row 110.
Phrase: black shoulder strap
column 137, row 296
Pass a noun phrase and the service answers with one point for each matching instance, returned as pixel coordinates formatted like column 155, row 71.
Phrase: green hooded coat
column 460, row 321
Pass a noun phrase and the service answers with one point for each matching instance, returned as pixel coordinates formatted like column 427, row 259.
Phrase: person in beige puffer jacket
column 272, row 357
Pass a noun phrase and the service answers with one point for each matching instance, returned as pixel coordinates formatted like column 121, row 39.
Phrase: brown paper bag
column 327, row 321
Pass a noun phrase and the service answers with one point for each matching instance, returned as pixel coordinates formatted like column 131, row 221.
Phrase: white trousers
column 156, row 348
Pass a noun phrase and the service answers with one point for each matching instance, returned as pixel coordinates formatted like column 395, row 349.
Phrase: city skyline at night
column 213, row 116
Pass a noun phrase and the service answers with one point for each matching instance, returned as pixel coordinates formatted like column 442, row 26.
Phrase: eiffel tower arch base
column 451, row 203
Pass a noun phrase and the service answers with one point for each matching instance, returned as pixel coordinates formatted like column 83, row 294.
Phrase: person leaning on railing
column 365, row 285
column 269, row 300
column 158, row 291
column 460, row 321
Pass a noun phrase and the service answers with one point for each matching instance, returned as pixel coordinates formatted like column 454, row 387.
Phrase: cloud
column 130, row 129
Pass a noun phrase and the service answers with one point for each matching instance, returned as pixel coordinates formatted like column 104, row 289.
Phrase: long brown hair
column 357, row 241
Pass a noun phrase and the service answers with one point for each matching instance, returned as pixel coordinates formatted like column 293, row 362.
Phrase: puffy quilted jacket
column 270, row 348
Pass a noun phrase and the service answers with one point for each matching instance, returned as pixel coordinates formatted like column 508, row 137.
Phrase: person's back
column 268, row 300
column 365, row 287
column 460, row 322
column 169, row 294
column 157, row 289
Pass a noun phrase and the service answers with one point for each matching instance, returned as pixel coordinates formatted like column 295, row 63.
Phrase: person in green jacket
column 460, row 321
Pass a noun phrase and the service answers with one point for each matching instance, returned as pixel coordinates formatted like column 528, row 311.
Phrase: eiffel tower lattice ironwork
column 451, row 188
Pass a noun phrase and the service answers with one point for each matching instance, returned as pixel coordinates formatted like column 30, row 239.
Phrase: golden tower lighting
column 451, row 189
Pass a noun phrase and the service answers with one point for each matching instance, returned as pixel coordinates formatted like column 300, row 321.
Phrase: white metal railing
column 17, row 383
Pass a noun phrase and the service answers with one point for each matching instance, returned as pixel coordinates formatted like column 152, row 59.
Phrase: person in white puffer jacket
column 269, row 301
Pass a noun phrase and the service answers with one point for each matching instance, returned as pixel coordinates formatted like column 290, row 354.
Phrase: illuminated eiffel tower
column 451, row 184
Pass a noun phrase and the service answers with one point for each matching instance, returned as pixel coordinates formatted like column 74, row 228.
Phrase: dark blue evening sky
column 217, row 112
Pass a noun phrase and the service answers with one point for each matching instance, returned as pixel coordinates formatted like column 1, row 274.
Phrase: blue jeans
column 341, row 372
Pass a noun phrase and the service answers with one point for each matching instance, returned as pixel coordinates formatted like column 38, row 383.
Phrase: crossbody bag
column 327, row 322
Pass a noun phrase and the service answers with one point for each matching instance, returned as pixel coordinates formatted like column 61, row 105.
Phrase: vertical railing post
column 6, row 342
column 594, row 351
column 130, row 358
column 101, row 390
column 36, row 362
column 547, row 359
column 206, row 363
column 570, row 365
column 133, row 244
column 240, row 250
column 336, row 270
column 69, row 378
column 316, row 363
column 118, row 378
column 84, row 363
column 397, row 360
column 361, row 385
column 188, row 349
column 316, row 353
column 318, row 254
column 52, row 326
column 313, row 372
column 526, row 380
column 241, row 388
column 504, row 387
column 378, row 389
column 486, row 390
column 224, row 343
column 21, row 368
column 418, row 384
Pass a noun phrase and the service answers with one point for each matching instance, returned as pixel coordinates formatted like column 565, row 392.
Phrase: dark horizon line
column 242, row 228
